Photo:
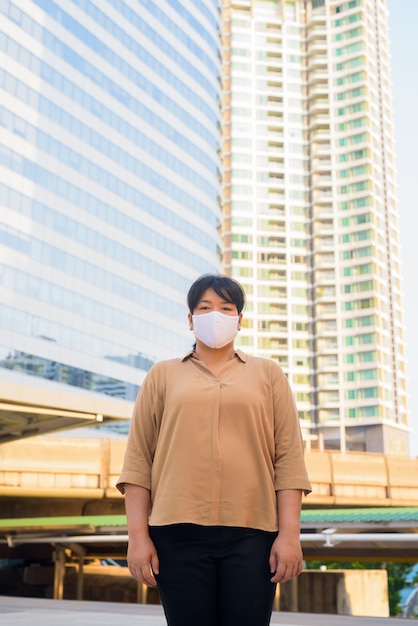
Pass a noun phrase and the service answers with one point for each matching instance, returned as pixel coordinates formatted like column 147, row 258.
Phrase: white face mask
column 215, row 329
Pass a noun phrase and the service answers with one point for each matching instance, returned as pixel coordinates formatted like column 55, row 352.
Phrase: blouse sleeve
column 143, row 433
column 289, row 466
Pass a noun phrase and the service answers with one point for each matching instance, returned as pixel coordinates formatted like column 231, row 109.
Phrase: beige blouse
column 213, row 450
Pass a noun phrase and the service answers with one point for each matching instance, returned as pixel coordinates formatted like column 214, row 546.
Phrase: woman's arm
column 286, row 558
column 142, row 555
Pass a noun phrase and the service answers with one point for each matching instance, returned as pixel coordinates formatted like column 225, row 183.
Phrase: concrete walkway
column 40, row 612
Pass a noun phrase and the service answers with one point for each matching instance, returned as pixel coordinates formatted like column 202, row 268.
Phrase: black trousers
column 214, row 575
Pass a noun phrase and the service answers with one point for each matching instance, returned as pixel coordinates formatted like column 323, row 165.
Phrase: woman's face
column 210, row 301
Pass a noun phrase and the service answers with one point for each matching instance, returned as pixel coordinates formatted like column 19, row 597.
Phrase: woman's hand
column 142, row 555
column 143, row 559
column 286, row 558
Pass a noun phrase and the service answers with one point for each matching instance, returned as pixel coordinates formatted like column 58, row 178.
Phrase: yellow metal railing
column 88, row 468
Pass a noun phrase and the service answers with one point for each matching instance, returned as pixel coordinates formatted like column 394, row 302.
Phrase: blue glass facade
column 109, row 184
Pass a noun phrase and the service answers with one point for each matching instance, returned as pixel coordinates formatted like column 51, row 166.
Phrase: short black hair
column 225, row 287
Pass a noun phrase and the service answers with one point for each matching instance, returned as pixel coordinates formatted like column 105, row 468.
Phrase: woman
column 214, row 473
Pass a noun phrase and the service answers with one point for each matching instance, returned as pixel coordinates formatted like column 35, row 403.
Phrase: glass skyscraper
column 109, row 184
column 311, row 219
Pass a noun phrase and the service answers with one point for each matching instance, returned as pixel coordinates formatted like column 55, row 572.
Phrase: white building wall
column 310, row 208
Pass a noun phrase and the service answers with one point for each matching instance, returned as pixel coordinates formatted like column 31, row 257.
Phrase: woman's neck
column 214, row 357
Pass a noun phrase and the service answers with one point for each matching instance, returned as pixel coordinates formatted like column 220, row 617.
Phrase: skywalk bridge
column 62, row 490
column 58, row 501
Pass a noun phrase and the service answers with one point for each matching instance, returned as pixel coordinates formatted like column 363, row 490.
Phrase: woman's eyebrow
column 222, row 301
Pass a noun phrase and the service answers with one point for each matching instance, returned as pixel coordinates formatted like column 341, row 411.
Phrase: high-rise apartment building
column 109, row 185
column 311, row 224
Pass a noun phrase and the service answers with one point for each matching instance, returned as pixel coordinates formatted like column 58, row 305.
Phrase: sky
column 403, row 20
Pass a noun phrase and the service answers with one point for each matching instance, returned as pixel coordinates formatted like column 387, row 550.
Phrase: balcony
column 325, row 292
column 319, row 104
column 319, row 120
column 324, row 276
column 321, row 181
column 323, row 262
column 318, row 76
column 317, row 60
column 319, row 164
column 323, row 233
column 321, row 132
column 319, row 88
column 320, row 148
column 318, row 32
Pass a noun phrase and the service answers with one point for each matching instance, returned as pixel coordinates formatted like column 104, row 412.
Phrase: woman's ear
column 189, row 317
column 239, row 321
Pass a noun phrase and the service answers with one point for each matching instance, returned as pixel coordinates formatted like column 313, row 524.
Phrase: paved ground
column 38, row 612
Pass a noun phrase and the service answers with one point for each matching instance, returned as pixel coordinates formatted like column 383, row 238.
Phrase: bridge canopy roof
column 26, row 411
column 356, row 534
column 389, row 517
column 393, row 518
